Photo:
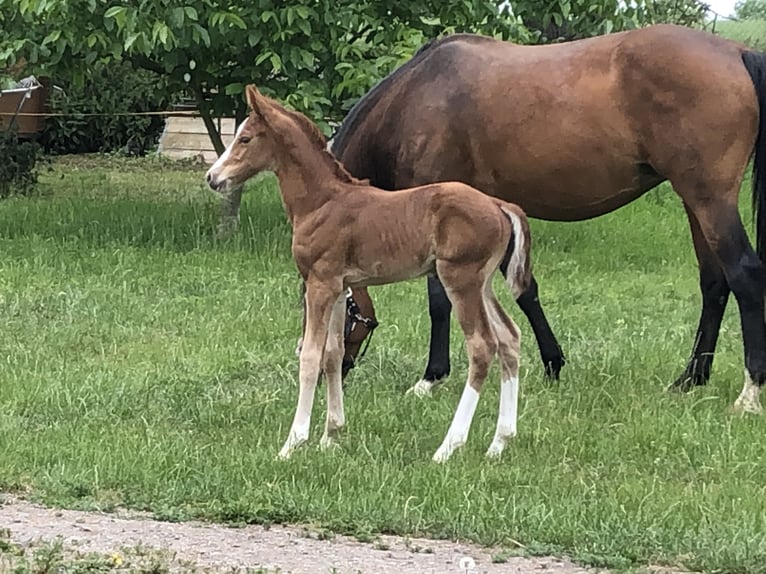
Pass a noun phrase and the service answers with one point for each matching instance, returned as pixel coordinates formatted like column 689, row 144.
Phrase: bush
column 108, row 89
column 19, row 167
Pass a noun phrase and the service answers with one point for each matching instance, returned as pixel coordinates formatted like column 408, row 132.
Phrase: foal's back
column 397, row 236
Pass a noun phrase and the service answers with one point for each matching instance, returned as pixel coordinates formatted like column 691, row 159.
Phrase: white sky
column 723, row 7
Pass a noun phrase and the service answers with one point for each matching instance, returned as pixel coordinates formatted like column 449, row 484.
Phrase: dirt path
column 282, row 549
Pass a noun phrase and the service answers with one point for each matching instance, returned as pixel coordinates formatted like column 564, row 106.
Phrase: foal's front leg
column 332, row 365
column 319, row 305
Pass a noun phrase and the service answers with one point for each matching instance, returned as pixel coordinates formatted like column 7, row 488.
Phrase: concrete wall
column 187, row 137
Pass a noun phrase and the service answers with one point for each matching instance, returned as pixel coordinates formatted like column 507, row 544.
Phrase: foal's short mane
column 320, row 142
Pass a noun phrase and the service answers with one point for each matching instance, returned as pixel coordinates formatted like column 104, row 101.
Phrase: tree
column 315, row 55
column 572, row 19
column 318, row 56
column 750, row 10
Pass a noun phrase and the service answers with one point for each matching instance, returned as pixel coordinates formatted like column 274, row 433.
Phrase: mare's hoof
column 686, row 382
column 422, row 388
column 553, row 368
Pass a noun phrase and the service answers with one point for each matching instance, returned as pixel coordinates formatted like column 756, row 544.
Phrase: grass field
column 145, row 363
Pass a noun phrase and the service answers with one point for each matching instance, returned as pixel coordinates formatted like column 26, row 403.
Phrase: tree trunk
column 207, row 118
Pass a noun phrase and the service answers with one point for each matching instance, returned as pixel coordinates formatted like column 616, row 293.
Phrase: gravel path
column 283, row 549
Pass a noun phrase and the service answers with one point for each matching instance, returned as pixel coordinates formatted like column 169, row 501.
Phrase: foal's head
column 254, row 148
column 263, row 139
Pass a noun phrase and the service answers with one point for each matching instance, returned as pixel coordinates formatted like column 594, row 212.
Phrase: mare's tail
column 755, row 63
column 515, row 265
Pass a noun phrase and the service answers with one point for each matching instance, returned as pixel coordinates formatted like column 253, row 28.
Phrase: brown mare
column 340, row 241
column 575, row 130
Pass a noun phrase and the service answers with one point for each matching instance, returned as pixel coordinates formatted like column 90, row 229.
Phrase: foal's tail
column 755, row 63
column 515, row 265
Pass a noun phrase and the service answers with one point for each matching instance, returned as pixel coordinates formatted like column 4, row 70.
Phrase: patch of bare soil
column 217, row 548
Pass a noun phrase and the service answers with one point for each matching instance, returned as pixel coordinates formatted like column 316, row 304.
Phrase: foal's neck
column 307, row 181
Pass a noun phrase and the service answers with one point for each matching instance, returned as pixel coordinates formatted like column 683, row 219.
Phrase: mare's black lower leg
column 715, row 295
column 439, row 308
column 550, row 350
column 746, row 276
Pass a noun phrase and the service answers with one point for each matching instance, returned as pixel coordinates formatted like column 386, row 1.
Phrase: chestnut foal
column 348, row 234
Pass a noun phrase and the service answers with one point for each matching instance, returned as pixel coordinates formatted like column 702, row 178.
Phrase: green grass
column 749, row 32
column 144, row 363
column 56, row 557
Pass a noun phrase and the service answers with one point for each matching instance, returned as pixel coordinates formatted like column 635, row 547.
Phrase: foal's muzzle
column 214, row 183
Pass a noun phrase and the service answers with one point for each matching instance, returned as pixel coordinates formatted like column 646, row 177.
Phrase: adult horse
column 575, row 130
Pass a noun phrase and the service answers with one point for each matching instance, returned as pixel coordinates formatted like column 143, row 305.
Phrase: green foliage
column 318, row 56
column 111, row 89
column 750, row 10
column 315, row 55
column 19, row 168
column 54, row 557
column 573, row 19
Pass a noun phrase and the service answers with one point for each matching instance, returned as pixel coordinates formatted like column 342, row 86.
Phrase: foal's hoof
column 441, row 456
column 495, row 451
column 327, row 443
column 289, row 448
column 446, row 450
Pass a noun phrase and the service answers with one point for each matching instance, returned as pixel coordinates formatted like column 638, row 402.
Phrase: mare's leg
column 466, row 291
column 550, row 350
column 438, row 368
column 229, row 221
column 331, row 364
column 722, row 228
column 509, row 349
column 320, row 300
column 715, row 295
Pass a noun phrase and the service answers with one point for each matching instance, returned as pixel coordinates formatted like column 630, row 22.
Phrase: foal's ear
column 252, row 94
column 254, row 99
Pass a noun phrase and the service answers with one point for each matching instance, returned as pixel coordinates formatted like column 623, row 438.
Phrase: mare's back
column 481, row 111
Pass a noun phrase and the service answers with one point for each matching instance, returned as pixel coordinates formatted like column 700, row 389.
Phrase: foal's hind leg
column 465, row 288
column 722, row 228
column 715, row 295
column 509, row 348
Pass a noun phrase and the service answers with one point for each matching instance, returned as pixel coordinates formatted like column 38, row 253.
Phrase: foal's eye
column 245, row 139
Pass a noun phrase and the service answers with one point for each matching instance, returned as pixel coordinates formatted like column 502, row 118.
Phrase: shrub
column 19, row 167
column 108, row 89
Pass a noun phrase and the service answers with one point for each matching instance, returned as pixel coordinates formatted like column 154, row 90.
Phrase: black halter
column 353, row 318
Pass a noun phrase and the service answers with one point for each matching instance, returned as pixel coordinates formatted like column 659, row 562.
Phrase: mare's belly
column 583, row 194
